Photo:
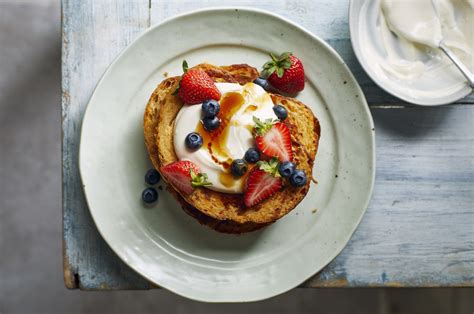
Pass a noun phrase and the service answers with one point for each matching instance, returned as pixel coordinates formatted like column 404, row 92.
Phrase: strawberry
column 285, row 73
column 273, row 139
column 185, row 176
column 196, row 86
column 262, row 182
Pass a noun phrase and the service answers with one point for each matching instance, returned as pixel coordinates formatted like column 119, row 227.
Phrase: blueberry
column 210, row 108
column 152, row 177
column 280, row 112
column 252, row 155
column 238, row 167
column 193, row 140
column 210, row 124
column 286, row 169
column 149, row 195
column 298, row 178
column 262, row 82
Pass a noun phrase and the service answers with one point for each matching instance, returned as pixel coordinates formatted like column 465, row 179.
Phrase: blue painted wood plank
column 327, row 19
column 418, row 230
column 94, row 32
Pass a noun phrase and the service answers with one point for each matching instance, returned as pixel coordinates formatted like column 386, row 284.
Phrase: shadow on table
column 412, row 121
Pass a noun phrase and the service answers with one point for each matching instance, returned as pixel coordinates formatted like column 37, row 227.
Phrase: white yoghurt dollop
column 416, row 21
column 411, row 31
column 236, row 139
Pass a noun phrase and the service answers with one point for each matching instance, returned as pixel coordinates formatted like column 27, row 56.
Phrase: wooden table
column 419, row 228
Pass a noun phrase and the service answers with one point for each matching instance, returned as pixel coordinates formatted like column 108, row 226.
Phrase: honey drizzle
column 227, row 179
column 250, row 108
column 216, row 140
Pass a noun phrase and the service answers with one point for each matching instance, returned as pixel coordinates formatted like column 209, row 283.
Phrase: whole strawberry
column 285, row 73
column 196, row 86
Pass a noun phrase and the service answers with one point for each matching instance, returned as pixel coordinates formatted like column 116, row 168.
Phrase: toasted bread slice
column 160, row 114
column 224, row 226
column 237, row 74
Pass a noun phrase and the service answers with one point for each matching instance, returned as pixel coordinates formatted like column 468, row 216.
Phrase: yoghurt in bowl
column 396, row 42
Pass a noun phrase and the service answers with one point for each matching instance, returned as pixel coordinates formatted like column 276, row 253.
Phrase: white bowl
column 447, row 85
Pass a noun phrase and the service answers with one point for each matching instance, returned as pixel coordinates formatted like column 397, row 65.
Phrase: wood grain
column 94, row 32
column 328, row 19
column 419, row 228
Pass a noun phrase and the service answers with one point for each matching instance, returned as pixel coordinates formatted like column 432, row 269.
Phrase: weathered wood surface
column 328, row 19
column 94, row 32
column 419, row 227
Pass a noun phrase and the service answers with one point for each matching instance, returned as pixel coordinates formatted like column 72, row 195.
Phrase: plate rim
column 365, row 108
column 353, row 18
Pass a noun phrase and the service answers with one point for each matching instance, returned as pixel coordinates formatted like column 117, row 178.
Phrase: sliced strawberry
column 273, row 139
column 196, row 86
column 262, row 182
column 184, row 175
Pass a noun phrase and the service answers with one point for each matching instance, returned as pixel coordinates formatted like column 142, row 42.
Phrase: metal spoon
column 464, row 70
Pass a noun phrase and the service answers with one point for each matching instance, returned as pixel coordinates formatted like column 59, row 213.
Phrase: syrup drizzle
column 216, row 141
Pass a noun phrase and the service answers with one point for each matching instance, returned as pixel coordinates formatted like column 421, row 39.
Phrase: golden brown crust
column 304, row 128
column 151, row 122
column 150, row 118
column 224, row 226
column 235, row 73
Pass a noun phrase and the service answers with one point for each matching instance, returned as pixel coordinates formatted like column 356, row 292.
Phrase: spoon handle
column 464, row 70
